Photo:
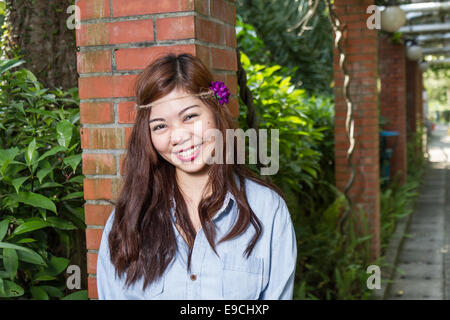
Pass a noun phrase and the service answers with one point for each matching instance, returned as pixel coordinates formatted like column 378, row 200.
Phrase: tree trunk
column 38, row 31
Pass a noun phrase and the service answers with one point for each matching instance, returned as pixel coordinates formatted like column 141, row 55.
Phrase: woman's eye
column 158, row 127
column 190, row 116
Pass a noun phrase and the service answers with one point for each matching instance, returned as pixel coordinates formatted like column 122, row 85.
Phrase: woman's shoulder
column 263, row 198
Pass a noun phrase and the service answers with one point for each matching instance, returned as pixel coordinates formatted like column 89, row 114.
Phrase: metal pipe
column 435, row 50
column 426, row 6
column 423, row 28
column 423, row 7
column 439, row 61
column 433, row 37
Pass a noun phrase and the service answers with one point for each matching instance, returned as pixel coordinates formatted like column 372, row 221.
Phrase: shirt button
column 193, row 277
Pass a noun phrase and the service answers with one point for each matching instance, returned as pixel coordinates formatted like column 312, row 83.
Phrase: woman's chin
column 193, row 168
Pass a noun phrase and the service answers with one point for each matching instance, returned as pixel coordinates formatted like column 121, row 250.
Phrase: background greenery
column 41, row 208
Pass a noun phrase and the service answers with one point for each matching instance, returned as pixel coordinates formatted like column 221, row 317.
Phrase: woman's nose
column 178, row 136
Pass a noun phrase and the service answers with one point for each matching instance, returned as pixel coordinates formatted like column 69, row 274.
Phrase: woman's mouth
column 189, row 154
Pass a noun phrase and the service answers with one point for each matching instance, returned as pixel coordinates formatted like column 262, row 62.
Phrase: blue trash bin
column 386, row 153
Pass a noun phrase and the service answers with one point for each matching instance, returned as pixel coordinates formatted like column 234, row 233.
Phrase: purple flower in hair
column 220, row 91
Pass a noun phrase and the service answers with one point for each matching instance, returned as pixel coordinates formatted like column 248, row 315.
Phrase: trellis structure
column 117, row 39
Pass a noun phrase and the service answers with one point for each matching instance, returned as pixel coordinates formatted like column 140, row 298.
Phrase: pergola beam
column 433, row 37
column 425, row 28
column 424, row 7
column 440, row 61
column 443, row 50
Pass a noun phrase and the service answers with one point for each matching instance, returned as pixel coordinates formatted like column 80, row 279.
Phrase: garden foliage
column 41, row 199
column 326, row 269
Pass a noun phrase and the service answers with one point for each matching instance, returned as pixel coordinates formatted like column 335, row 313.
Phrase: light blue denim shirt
column 268, row 274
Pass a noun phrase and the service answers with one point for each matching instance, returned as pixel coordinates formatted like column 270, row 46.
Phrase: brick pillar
column 361, row 46
column 393, row 100
column 118, row 39
column 412, row 95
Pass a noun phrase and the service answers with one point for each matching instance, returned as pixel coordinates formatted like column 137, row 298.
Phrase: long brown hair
column 142, row 240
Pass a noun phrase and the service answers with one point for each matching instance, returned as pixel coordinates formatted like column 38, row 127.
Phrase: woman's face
column 178, row 130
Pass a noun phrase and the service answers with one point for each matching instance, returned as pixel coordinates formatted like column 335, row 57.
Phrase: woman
column 181, row 226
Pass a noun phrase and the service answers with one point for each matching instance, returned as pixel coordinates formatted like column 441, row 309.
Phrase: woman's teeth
column 189, row 152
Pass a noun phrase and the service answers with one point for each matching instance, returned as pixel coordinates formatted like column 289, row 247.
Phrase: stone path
column 423, row 264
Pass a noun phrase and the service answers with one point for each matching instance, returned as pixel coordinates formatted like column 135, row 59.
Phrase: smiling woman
column 160, row 240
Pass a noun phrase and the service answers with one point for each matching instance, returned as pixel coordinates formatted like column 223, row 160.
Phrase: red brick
column 106, row 87
column 96, row 112
column 94, row 163
column 202, row 6
column 175, row 28
column 96, row 214
column 224, row 59
column 94, row 61
column 140, row 58
column 224, row 11
column 127, row 112
column 122, row 164
column 92, row 263
column 233, row 106
column 93, row 9
column 97, row 34
column 102, row 138
column 209, row 31
column 230, row 36
column 204, row 54
column 139, row 7
column 93, row 238
column 127, row 136
column 96, row 189
column 92, row 288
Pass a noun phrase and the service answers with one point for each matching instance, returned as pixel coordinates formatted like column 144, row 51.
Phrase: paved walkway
column 423, row 264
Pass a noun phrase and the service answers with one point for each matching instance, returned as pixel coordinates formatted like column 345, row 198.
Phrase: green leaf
column 64, row 133
column 2, row 288
column 41, row 174
column 30, row 152
column 56, row 265
column 6, row 157
column 4, row 224
column 53, row 291
column 11, row 290
column 43, row 277
column 52, row 151
column 24, row 254
column 17, row 183
column 36, row 200
column 30, row 75
column 48, row 185
column 73, row 195
column 10, row 262
column 73, row 161
column 30, row 226
column 61, row 223
column 78, row 295
column 9, row 64
column 39, row 293
column 76, row 179
column 26, row 240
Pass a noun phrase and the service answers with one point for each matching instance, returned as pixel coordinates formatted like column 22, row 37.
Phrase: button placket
column 198, row 254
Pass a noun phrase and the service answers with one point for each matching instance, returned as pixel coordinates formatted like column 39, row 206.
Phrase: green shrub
column 325, row 268
column 41, row 199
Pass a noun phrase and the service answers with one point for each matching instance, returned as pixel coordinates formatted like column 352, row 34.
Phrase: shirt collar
column 225, row 207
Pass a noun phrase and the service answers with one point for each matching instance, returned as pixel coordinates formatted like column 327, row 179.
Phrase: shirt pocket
column 155, row 290
column 242, row 277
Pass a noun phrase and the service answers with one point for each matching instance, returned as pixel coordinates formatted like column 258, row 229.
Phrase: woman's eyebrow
column 179, row 113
